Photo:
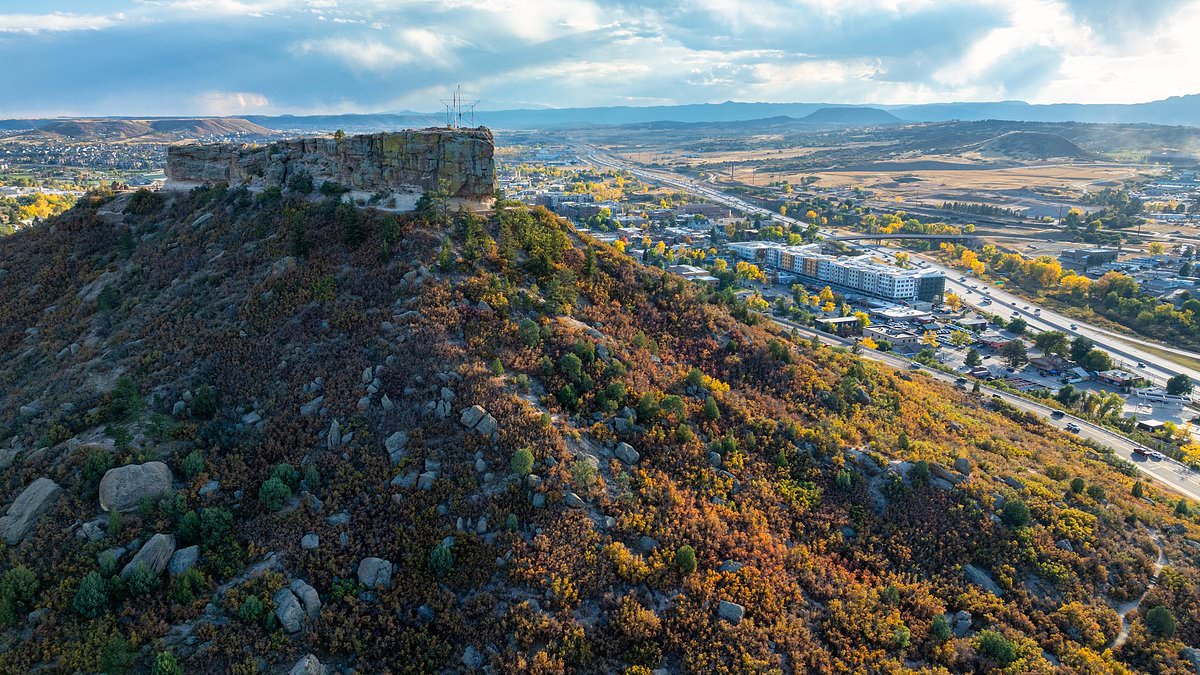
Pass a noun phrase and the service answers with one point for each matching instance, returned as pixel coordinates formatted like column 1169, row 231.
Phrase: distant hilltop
column 391, row 169
column 148, row 130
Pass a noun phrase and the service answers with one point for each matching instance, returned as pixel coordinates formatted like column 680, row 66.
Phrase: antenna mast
column 459, row 109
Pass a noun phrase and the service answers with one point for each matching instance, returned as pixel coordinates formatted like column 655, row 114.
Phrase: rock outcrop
column 401, row 166
column 154, row 554
column 124, row 487
column 27, row 508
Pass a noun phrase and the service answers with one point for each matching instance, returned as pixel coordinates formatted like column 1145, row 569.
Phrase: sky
column 232, row 57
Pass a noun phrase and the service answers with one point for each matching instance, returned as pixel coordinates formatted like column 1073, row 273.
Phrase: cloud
column 56, row 22
column 407, row 47
column 221, row 103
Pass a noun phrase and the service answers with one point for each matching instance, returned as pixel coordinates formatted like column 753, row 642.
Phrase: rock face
column 154, row 554
column 27, row 508
column 402, row 164
column 123, row 487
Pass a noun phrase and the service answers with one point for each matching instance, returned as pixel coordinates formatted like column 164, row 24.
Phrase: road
column 1157, row 368
column 1166, row 471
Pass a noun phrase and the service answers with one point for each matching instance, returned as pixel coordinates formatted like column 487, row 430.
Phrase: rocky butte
column 388, row 170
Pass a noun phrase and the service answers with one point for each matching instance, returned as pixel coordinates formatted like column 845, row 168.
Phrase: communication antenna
column 459, row 109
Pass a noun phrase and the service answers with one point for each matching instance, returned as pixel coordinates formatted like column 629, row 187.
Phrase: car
column 1154, row 454
column 962, row 381
column 1072, row 427
column 1141, row 365
column 1074, row 326
column 914, row 366
column 1057, row 414
column 1026, row 307
column 997, row 396
column 1038, row 310
column 1142, row 452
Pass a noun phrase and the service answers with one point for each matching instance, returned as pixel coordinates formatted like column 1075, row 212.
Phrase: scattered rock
column 647, row 544
column 396, row 444
column 471, row 658
column 375, row 573
column 312, row 407
column 963, row 466
column 471, row 416
column 574, row 501
column 626, row 453
column 183, row 560
column 251, row 417
column 425, row 480
column 334, row 439
column 731, row 611
column 288, row 610
column 983, row 579
column 154, row 554
column 309, row 665
column 962, row 623
column 1065, row 545
column 342, row 518
column 211, row 487
column 27, row 508
column 308, row 597
column 730, row 566
column 1014, row 483
column 123, row 488
column 310, row 541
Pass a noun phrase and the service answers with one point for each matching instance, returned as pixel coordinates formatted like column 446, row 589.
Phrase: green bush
column 941, row 628
column 204, row 403
column 902, row 637
column 251, row 609
column 529, row 333
column 522, row 462
column 188, row 530
column 91, row 600
column 193, row 464
column 711, row 411
column 286, row 473
column 166, row 664
column 1160, row 622
column 274, row 493
column 685, row 558
column 142, row 580
column 188, row 586
column 441, row 561
column 1015, row 513
column 997, row 646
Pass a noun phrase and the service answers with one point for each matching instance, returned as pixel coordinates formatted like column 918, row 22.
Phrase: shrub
column 529, row 333
column 312, row 477
column 300, row 181
column 1015, row 513
column 91, row 600
column 1138, row 491
column 1181, row 508
column 286, row 473
column 188, row 530
column 522, row 462
column 941, row 628
column 441, row 561
column 94, row 467
column 1096, row 492
column 124, row 402
column 274, row 493
column 920, row 472
column 188, row 586
column 142, row 580
column 902, row 638
column 711, row 411
column 997, row 646
column 583, row 474
column 844, row 479
column 685, row 558
column 1160, row 622
column 1077, row 485
column 193, row 464
column 166, row 664
column 204, row 403
column 251, row 609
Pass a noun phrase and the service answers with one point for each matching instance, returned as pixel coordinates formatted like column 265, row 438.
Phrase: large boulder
column 124, row 487
column 154, row 554
column 27, row 508
column 308, row 597
column 183, row 560
column 981, row 578
column 626, row 453
column 288, row 610
column 731, row 611
column 375, row 573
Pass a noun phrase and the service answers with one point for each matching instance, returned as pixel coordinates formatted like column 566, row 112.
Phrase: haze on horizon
column 231, row 57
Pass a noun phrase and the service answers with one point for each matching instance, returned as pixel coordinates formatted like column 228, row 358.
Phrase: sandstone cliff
column 391, row 169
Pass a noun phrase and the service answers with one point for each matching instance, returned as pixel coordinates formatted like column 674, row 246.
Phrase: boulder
column 27, row 508
column 487, row 426
column 288, row 610
column 731, row 611
column 124, row 487
column 471, row 658
column 395, row 445
column 308, row 597
column 310, row 541
column 962, row 623
column 312, row 407
column 471, row 416
column 983, row 579
column 626, row 453
column 334, row 438
column 375, row 573
column 573, row 500
column 183, row 560
column 154, row 554
column 963, row 466
column 309, row 665
column 1065, row 545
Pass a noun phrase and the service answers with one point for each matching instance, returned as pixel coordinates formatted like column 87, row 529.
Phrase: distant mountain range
column 1178, row 110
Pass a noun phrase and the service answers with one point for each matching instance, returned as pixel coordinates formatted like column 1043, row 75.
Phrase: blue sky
column 228, row 57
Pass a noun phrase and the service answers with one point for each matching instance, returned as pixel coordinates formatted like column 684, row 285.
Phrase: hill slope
column 77, row 130
column 1031, row 145
column 309, row 375
column 851, row 117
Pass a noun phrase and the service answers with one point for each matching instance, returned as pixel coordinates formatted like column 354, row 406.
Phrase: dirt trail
column 1125, row 608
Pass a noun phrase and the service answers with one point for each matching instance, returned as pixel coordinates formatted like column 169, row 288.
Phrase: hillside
column 79, row 130
column 245, row 428
column 1030, row 145
column 851, row 117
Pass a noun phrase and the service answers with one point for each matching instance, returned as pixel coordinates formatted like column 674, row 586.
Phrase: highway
column 1157, row 368
column 1166, row 471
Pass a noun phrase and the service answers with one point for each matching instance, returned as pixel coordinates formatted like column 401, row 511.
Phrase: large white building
column 856, row 274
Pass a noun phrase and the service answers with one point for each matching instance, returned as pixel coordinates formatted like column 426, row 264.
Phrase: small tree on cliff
column 339, row 135
column 434, row 205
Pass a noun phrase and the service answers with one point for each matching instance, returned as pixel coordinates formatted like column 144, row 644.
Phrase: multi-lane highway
column 1124, row 350
column 1167, row 472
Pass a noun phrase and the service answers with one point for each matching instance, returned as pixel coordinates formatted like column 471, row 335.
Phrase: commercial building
column 1080, row 259
column 854, row 274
